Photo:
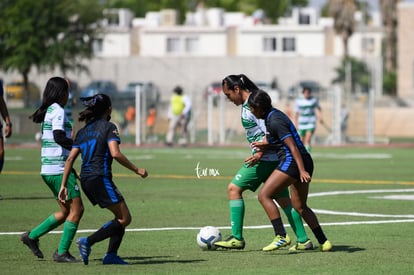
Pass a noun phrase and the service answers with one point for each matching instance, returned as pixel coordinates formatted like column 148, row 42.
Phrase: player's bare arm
column 124, row 161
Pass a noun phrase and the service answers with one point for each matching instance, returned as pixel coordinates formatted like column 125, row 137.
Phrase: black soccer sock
column 319, row 235
column 115, row 241
column 109, row 229
column 278, row 227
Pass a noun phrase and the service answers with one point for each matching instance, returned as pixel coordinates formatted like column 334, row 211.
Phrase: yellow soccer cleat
column 231, row 243
column 308, row 245
column 326, row 246
column 278, row 242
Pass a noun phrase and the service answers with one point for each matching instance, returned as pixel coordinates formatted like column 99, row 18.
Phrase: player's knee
column 300, row 208
column 234, row 192
column 262, row 197
column 126, row 220
column 77, row 213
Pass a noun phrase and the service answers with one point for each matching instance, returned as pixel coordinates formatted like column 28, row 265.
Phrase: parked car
column 100, row 87
column 296, row 90
column 15, row 91
column 148, row 89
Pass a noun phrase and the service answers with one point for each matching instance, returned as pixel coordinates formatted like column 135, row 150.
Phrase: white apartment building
column 215, row 33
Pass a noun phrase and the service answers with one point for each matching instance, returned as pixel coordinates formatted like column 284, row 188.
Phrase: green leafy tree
column 47, row 35
column 360, row 76
column 342, row 12
column 390, row 23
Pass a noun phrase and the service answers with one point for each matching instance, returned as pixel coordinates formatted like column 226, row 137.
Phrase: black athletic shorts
column 101, row 190
column 289, row 166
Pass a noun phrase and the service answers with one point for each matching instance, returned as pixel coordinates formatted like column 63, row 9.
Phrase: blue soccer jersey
column 92, row 140
column 280, row 127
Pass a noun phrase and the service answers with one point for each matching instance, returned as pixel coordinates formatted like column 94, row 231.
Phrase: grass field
column 363, row 196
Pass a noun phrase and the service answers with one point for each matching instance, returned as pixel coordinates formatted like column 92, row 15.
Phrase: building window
column 304, row 19
column 368, row 45
column 97, row 46
column 191, row 44
column 269, row 44
column 112, row 17
column 289, row 44
column 173, row 45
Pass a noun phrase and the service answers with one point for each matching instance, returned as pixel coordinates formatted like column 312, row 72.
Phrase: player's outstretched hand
column 142, row 172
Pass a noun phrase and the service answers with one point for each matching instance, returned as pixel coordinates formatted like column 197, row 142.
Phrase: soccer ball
column 207, row 236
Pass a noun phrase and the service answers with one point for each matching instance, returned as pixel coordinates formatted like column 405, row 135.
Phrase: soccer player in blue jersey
column 295, row 164
column 98, row 143
column 253, row 173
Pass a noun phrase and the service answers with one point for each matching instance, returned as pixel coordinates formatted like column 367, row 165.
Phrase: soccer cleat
column 231, row 243
column 326, row 246
column 84, row 249
column 112, row 258
column 308, row 245
column 32, row 244
column 278, row 242
column 63, row 258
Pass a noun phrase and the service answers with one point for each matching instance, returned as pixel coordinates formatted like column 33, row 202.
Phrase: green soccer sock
column 295, row 221
column 47, row 225
column 237, row 217
column 69, row 231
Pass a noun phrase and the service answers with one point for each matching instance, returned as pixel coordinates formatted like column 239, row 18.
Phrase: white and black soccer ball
column 207, row 236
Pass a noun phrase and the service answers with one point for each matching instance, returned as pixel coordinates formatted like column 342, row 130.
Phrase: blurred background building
column 212, row 43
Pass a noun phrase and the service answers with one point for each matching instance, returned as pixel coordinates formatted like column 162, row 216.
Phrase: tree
column 342, row 12
column 390, row 22
column 360, row 74
column 47, row 35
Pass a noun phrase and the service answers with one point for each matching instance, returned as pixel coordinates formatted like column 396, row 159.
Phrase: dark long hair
column 241, row 80
column 259, row 99
column 96, row 107
column 56, row 89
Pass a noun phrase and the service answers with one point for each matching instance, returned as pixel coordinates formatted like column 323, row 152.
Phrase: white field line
column 227, row 227
column 409, row 218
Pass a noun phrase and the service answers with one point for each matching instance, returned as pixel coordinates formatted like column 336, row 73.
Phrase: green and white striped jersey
column 54, row 155
column 306, row 108
column 255, row 131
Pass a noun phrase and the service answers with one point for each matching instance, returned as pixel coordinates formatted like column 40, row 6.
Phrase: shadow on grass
column 336, row 248
column 147, row 260
column 346, row 248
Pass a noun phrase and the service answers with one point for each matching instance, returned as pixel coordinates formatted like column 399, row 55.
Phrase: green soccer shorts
column 54, row 183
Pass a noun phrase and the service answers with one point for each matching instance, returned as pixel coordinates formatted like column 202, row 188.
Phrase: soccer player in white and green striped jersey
column 307, row 113
column 56, row 144
column 253, row 173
